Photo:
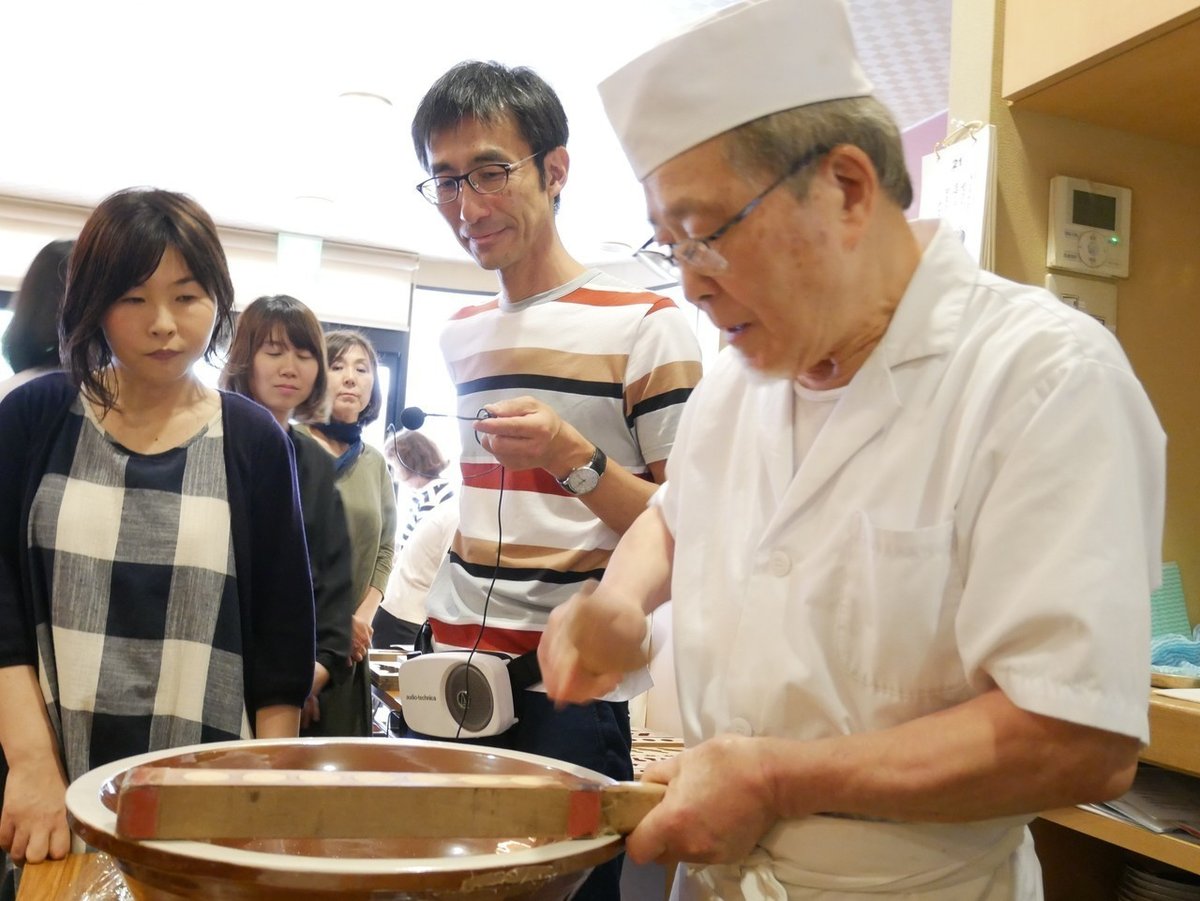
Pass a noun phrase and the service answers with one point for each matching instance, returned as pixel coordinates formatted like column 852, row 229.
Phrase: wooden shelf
column 1168, row 849
column 1132, row 69
column 1174, row 744
column 1174, row 734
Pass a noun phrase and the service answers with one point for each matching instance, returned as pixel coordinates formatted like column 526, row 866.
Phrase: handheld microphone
column 412, row 418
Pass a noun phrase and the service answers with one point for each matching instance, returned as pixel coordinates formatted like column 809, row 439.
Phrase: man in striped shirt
column 583, row 377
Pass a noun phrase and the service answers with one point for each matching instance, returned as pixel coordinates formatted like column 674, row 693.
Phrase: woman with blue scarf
column 366, row 490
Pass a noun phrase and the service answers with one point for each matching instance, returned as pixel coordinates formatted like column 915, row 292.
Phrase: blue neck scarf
column 348, row 433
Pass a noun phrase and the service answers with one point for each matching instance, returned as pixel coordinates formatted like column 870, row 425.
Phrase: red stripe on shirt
column 468, row 312
column 597, row 297
column 487, row 475
column 507, row 641
column 589, row 297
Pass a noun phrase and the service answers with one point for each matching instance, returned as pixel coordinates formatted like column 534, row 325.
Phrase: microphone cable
column 487, row 599
column 390, row 434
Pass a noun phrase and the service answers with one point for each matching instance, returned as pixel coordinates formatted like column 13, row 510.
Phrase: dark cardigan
column 328, row 552
column 274, row 584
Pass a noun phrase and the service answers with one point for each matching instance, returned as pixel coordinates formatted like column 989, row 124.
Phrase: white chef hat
column 749, row 60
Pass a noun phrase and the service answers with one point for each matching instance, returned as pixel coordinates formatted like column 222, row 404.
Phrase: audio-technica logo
column 420, row 697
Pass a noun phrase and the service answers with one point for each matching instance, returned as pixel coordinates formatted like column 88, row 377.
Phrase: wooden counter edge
column 51, row 880
column 1174, row 734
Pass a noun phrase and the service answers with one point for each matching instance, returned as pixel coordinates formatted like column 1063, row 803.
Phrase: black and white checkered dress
column 146, row 651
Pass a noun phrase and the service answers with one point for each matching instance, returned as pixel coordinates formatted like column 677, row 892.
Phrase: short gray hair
column 774, row 142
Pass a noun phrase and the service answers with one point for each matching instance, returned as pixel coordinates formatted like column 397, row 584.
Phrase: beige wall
column 1158, row 305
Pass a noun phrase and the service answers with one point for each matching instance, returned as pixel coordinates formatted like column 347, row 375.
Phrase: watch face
column 581, row 481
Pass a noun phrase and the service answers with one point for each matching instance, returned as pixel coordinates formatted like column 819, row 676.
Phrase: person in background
column 30, row 342
column 277, row 358
column 417, row 464
column 30, row 345
column 402, row 613
column 154, row 584
column 913, row 515
column 583, row 378
column 354, row 400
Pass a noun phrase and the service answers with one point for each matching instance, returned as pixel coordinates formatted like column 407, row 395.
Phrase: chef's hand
column 590, row 642
column 33, row 824
column 524, row 433
column 719, row 803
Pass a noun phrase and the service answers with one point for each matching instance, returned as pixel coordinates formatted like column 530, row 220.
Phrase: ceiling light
column 619, row 248
column 366, row 98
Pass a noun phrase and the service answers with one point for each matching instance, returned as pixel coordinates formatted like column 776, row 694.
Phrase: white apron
column 910, row 560
column 833, row 862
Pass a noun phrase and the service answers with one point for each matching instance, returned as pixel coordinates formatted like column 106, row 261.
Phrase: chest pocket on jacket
column 894, row 621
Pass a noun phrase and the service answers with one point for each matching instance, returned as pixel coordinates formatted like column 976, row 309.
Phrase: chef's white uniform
column 983, row 506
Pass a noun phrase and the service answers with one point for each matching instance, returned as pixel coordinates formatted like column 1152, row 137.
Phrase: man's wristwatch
column 585, row 479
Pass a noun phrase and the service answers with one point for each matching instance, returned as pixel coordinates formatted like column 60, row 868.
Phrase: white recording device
column 457, row 694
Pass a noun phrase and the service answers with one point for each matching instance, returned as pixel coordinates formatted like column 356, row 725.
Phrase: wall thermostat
column 1089, row 227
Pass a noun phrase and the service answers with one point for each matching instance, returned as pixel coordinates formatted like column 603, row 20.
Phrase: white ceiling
column 237, row 103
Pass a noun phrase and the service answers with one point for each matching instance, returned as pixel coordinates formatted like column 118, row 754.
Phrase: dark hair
column 256, row 325
column 120, row 246
column 489, row 92
column 338, row 342
column 31, row 339
column 417, row 454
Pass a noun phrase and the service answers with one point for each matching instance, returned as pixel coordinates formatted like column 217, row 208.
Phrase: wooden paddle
column 188, row 803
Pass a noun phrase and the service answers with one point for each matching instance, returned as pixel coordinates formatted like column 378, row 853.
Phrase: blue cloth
column 345, row 432
column 1168, row 609
column 1177, row 655
column 348, row 456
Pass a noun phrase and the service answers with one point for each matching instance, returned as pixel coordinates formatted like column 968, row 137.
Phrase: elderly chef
column 912, row 518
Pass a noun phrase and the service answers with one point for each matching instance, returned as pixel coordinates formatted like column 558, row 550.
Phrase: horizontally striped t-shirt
column 616, row 362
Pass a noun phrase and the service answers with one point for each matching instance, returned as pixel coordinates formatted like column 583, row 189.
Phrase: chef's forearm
column 981, row 759
column 640, row 567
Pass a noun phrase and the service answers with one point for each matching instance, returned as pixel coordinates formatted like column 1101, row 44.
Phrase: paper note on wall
column 958, row 184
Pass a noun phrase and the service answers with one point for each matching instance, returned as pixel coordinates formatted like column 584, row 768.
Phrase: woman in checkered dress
column 154, row 583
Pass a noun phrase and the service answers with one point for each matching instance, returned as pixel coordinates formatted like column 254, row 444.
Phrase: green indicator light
column 1114, row 239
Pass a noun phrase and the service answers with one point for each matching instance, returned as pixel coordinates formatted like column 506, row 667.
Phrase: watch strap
column 596, row 465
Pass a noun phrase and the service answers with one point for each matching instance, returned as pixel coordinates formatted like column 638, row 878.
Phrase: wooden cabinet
column 1083, row 854
column 1129, row 66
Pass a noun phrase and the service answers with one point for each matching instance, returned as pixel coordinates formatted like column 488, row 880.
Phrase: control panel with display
column 1089, row 227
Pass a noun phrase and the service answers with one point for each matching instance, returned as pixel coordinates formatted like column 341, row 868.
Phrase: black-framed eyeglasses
column 698, row 253
column 487, row 179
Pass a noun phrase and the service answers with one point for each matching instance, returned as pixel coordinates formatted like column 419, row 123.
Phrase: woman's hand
column 33, row 824
column 311, row 712
column 360, row 638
